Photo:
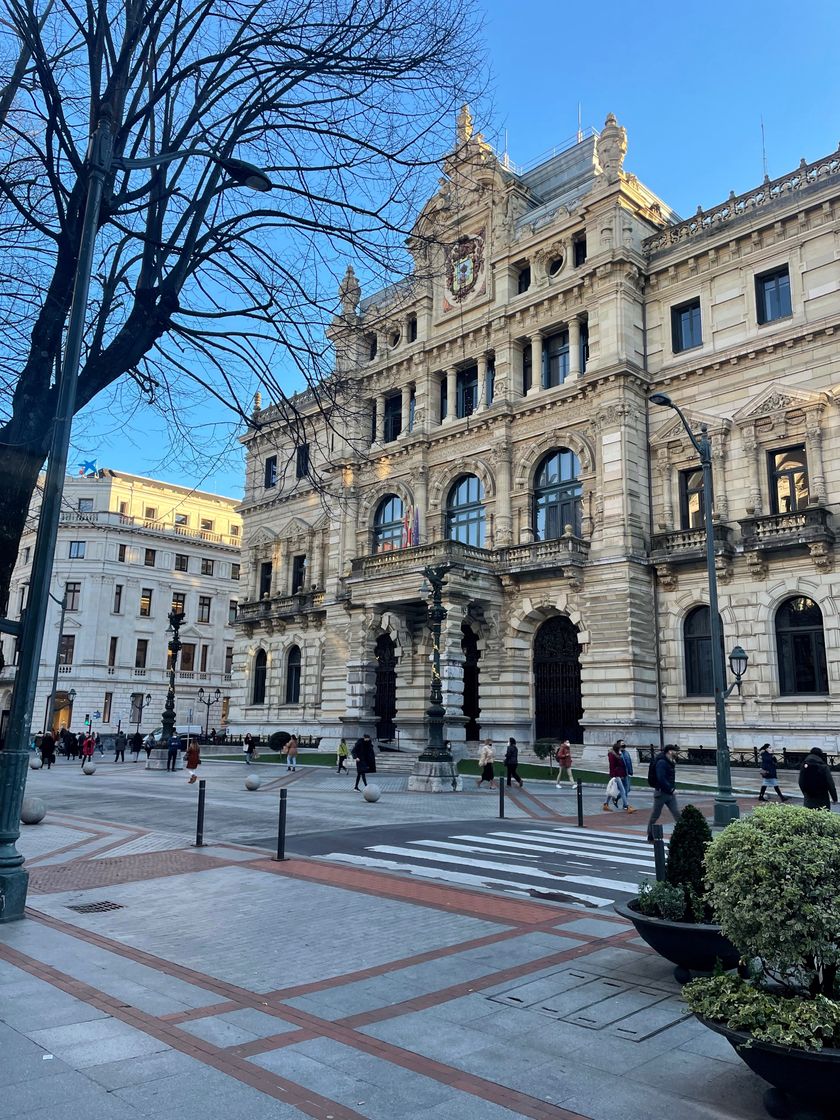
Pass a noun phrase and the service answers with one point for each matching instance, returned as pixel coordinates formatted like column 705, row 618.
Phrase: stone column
column 753, row 476
column 504, row 471
column 813, row 446
column 574, row 349
column 482, row 383
column 380, row 418
column 405, row 407
column 536, row 363
column 663, row 457
column 451, row 394
column 721, row 496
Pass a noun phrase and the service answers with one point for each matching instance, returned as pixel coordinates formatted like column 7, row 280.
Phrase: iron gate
column 385, row 704
column 557, row 697
column 469, row 646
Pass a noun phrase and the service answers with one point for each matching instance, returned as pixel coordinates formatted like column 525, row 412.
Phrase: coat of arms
column 464, row 268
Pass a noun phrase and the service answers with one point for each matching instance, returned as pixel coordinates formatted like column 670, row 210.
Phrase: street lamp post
column 14, row 761
column 726, row 807
column 176, row 621
column 435, row 769
column 141, row 706
column 211, row 699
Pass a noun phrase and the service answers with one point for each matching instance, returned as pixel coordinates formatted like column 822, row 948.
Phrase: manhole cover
column 96, row 907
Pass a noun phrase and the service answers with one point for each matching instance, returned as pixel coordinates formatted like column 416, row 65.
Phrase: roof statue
column 612, row 147
column 349, row 292
column 464, row 125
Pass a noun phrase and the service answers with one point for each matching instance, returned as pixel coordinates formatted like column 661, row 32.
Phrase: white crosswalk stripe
column 553, row 863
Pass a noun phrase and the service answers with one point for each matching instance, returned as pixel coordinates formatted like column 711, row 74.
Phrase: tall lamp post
column 435, row 769
column 726, row 807
column 141, row 706
column 176, row 621
column 99, row 164
column 208, row 702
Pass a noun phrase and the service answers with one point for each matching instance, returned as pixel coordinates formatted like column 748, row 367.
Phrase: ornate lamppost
column 726, row 807
column 208, row 702
column 435, row 770
column 140, row 707
column 176, row 621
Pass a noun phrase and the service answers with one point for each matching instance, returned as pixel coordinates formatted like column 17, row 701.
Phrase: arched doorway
column 469, row 646
column 385, row 703
column 557, row 698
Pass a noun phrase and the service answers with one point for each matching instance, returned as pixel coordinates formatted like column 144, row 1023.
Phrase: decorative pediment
column 296, row 528
column 778, row 399
column 260, row 537
column 673, row 428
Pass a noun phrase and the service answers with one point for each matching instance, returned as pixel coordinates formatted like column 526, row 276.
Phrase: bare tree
column 341, row 101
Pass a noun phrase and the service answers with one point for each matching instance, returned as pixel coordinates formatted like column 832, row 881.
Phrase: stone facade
column 119, row 537
column 544, row 307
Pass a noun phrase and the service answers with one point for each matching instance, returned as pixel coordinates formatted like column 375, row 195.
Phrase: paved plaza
column 154, row 979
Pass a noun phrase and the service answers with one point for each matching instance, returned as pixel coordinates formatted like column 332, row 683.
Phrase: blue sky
column 690, row 83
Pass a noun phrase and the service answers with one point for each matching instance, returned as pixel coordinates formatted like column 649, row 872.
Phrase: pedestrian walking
column 291, row 754
column 512, row 762
column 47, row 749
column 248, row 749
column 73, row 748
column 120, row 741
column 172, row 748
column 486, row 758
column 148, row 743
column 341, row 757
column 563, row 758
column 136, row 744
column 769, row 774
column 618, row 772
column 193, row 760
column 627, row 759
column 97, row 740
column 365, row 757
column 87, row 749
column 816, row 781
column 662, row 776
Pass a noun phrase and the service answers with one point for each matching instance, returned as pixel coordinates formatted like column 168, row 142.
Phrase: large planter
column 809, row 1077
column 692, row 947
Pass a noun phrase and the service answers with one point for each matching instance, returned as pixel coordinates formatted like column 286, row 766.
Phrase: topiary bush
column 772, row 880
column 661, row 900
column 277, row 740
column 545, row 749
column 689, row 840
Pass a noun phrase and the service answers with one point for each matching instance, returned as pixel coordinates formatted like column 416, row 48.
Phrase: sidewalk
column 205, row 983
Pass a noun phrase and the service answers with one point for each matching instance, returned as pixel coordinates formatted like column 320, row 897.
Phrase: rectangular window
column 206, row 566
column 302, row 461
column 555, row 359
column 112, row 652
column 466, row 391
column 123, row 508
column 149, row 558
column 235, row 530
column 188, row 657
column 228, row 660
column 77, row 550
column 121, row 553
column 204, row 602
column 232, row 608
column 444, row 399
column 22, row 598
column 141, row 653
column 118, row 590
column 202, row 665
column 772, row 295
column 789, row 489
column 270, row 472
column 490, row 383
column 412, row 408
column 146, row 602
column 137, row 705
column 66, row 647
column 686, row 332
column 150, row 513
column 265, row 578
column 106, row 707
column 298, row 573
column 691, row 499
column 206, row 524
column 72, row 594
column 182, row 520
column 182, row 562
column 26, row 554
column 393, row 417
column 527, row 368
column 579, row 249
column 523, row 280
column 234, row 571
column 179, row 602
column 373, row 422
column 85, row 505
column 412, row 328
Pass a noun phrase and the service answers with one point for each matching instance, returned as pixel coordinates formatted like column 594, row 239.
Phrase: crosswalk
column 585, row 867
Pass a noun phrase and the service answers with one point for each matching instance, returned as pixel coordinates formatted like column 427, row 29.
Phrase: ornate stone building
column 492, row 413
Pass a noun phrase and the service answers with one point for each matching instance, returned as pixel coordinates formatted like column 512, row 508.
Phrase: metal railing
column 108, row 517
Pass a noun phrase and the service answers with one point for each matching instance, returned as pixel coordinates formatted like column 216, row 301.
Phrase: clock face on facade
column 464, row 270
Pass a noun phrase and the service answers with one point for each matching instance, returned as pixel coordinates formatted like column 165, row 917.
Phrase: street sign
column 97, row 715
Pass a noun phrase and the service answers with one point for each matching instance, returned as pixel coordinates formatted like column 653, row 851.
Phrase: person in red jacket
column 87, row 748
column 618, row 771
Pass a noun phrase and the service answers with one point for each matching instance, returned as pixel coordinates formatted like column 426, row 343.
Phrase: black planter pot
column 692, row 947
column 807, row 1077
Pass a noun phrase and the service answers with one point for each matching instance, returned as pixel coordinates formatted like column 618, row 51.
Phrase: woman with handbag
column 486, row 758
column 769, row 774
column 193, row 760
column 618, row 772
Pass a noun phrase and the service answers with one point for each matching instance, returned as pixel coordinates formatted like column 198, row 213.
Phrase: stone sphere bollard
column 89, row 768
column 35, row 762
column 33, row 810
column 253, row 781
column 372, row 793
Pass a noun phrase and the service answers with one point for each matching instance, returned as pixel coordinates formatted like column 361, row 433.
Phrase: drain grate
column 96, row 907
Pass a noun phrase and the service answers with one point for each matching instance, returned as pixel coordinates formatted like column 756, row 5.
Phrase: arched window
column 260, row 673
column 697, row 639
column 800, row 646
column 293, row 676
column 557, row 495
column 388, row 524
column 465, row 511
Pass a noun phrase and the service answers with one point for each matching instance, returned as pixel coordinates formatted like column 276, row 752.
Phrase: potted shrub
column 674, row 916
column 772, row 880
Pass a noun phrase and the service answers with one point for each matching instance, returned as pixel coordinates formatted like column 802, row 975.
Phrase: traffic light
column 87, row 719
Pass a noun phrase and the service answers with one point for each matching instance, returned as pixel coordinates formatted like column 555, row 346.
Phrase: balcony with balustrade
column 108, row 518
column 279, row 607
column 804, row 530
column 688, row 546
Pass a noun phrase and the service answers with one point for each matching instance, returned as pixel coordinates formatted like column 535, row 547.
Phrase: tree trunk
column 23, row 449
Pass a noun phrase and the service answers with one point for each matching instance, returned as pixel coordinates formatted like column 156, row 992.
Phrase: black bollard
column 580, row 803
column 199, row 826
column 658, row 852
column 501, row 798
column 281, row 828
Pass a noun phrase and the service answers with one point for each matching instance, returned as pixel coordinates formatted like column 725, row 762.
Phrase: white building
column 130, row 550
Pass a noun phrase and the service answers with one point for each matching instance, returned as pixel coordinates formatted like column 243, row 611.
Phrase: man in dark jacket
column 365, row 757
column 664, row 793
column 769, row 774
column 816, row 782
